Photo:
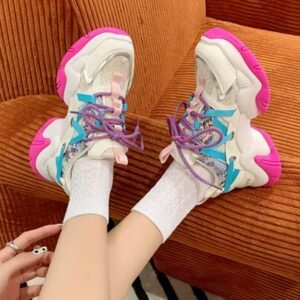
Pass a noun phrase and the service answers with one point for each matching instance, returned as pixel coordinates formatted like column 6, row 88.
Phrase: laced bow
column 185, row 136
column 95, row 120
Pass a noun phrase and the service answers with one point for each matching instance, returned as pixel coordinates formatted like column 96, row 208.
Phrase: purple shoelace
column 93, row 113
column 202, row 139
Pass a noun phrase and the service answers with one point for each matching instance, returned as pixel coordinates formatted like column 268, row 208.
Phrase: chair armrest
column 255, row 227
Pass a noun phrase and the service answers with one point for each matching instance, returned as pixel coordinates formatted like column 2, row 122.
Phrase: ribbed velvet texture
column 275, row 15
column 35, row 34
column 254, row 228
column 20, row 212
column 162, row 32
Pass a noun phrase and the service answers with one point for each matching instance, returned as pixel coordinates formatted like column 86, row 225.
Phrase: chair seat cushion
column 257, row 227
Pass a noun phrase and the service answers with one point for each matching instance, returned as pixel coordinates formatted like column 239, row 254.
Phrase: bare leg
column 133, row 242
column 130, row 246
column 79, row 267
column 87, row 264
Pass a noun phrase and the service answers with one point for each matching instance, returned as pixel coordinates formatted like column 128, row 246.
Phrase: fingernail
column 60, row 225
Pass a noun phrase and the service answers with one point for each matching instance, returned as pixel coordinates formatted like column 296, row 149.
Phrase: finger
column 29, row 237
column 27, row 260
column 28, row 275
column 43, row 263
column 6, row 254
column 30, row 292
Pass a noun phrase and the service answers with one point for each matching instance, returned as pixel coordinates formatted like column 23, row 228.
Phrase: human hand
column 16, row 269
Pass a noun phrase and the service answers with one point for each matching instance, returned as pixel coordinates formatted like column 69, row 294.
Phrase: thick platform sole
column 265, row 167
column 257, row 158
column 256, row 99
column 104, row 39
column 44, row 146
column 258, row 161
column 270, row 163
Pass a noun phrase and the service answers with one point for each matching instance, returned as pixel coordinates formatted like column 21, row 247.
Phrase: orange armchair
column 243, row 245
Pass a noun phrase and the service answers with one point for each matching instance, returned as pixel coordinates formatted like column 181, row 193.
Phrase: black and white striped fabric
column 155, row 285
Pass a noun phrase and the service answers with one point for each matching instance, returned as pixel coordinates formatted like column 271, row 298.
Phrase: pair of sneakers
column 214, row 133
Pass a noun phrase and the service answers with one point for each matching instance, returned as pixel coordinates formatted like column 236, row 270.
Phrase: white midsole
column 53, row 132
column 246, row 98
column 59, row 133
column 247, row 144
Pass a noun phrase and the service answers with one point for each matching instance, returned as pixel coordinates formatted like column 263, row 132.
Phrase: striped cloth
column 155, row 285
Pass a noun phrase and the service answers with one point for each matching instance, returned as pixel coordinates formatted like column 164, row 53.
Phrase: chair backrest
column 34, row 35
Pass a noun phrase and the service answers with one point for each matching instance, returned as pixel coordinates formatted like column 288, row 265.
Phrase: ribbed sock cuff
column 91, row 184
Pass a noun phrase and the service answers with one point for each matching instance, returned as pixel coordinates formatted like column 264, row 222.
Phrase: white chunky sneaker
column 215, row 131
column 233, row 76
column 93, row 80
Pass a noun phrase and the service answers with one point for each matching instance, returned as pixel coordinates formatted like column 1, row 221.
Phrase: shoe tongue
column 108, row 149
column 99, row 147
column 201, row 125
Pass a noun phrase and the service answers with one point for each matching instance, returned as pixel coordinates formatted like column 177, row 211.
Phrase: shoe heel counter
column 78, row 46
column 270, row 163
column 39, row 145
column 263, row 95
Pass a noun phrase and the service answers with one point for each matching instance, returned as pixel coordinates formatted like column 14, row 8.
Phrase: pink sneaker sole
column 263, row 96
column 39, row 143
column 270, row 163
column 61, row 78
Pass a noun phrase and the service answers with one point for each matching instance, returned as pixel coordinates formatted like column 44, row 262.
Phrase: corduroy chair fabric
column 275, row 15
column 35, row 34
column 19, row 212
column 259, row 228
column 249, row 231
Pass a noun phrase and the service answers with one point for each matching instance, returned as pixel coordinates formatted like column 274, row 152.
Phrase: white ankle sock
column 172, row 198
column 91, row 184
